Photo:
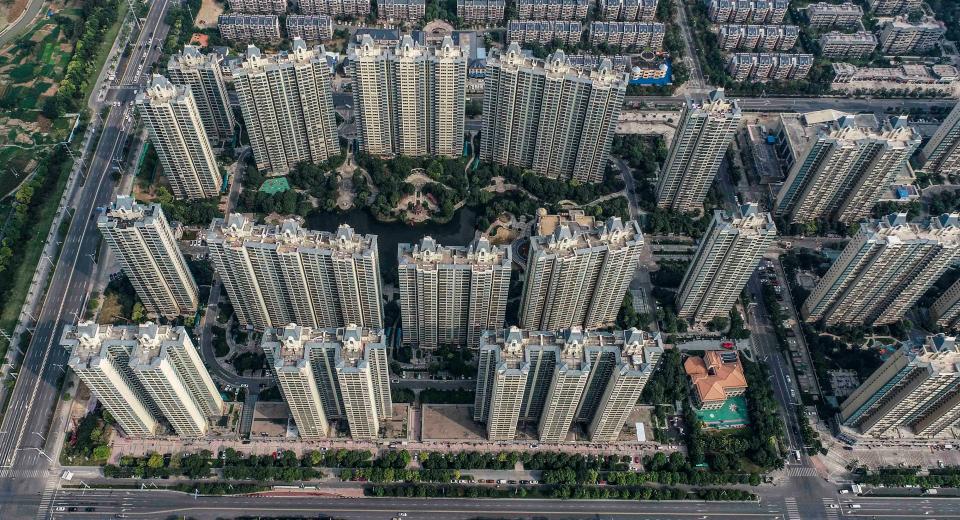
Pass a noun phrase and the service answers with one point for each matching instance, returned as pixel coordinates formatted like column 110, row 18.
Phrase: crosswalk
column 23, row 473
column 800, row 471
column 49, row 493
column 793, row 512
column 833, row 513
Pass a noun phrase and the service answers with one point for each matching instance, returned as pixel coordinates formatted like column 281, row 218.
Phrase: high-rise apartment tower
column 550, row 116
column 202, row 73
column 448, row 295
column 145, row 244
column 143, row 374
column 177, row 132
column 283, row 274
column 917, row 388
column 884, row 270
column 578, row 271
column 698, row 147
column 728, row 253
column 552, row 380
column 409, row 99
column 287, row 106
column 845, row 168
column 942, row 153
column 332, row 373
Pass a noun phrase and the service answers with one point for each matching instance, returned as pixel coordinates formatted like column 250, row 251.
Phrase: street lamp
column 38, row 450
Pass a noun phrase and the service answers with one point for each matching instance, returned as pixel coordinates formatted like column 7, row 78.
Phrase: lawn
column 733, row 414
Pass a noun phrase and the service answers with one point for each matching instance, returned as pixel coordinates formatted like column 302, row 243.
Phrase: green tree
column 101, row 452
column 155, row 461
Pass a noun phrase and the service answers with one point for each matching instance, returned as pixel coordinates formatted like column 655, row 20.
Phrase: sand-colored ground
column 450, row 422
column 210, row 10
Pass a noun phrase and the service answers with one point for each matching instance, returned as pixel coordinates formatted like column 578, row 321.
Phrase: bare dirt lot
column 450, row 422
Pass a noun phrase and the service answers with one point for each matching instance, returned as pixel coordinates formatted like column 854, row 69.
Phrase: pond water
column 458, row 232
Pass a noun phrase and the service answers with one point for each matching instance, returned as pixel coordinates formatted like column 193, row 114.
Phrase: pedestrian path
column 49, row 493
column 21, row 473
column 802, row 471
column 833, row 513
column 793, row 512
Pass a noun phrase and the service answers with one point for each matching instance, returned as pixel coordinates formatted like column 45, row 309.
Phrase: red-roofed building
column 715, row 377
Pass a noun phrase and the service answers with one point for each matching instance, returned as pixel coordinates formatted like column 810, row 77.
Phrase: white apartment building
column 332, row 373
column 334, row 8
column 550, row 116
column 401, row 10
column 763, row 67
column 884, row 270
column 244, row 28
column 481, row 11
column 836, row 44
column 823, row 15
column 177, row 132
column 544, row 32
column 409, row 99
column 448, row 295
column 203, row 74
column 698, row 147
column 893, row 7
column 946, row 309
column 941, row 154
column 902, row 37
column 758, row 37
column 171, row 372
column 564, row 389
column 552, row 9
column 845, row 164
column 559, row 382
column 147, row 250
column 578, row 271
column 633, row 362
column 103, row 367
column 259, row 6
column 747, row 11
column 917, row 389
column 628, row 35
column 628, row 10
column 144, row 373
column 727, row 255
column 287, row 105
column 283, row 274
column 311, row 28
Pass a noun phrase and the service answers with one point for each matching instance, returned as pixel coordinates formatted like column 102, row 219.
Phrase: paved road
column 768, row 351
column 159, row 504
column 24, row 429
column 697, row 81
column 14, row 30
column 802, row 104
column 631, row 187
